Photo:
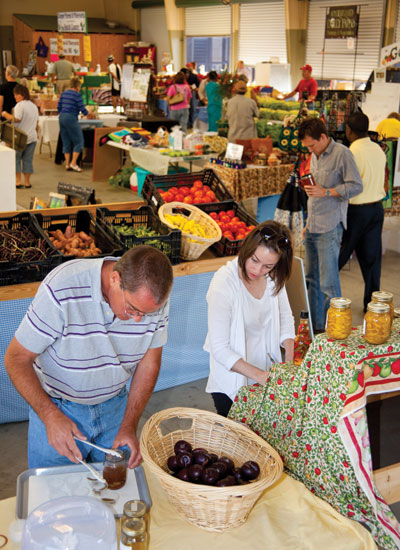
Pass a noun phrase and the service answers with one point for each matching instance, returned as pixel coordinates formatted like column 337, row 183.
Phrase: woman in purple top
column 180, row 111
column 69, row 106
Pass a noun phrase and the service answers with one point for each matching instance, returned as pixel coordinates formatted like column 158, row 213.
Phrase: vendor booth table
column 287, row 516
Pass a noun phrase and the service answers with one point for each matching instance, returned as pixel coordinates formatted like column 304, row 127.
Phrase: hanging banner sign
column 87, row 50
column 390, row 55
column 70, row 46
column 71, row 21
column 341, row 22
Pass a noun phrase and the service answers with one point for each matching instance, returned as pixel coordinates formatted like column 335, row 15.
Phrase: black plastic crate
column 168, row 240
column 82, row 221
column 226, row 247
column 17, row 272
column 208, row 177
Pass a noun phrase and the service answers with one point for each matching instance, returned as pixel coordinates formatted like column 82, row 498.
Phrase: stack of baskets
column 192, row 246
column 208, row 507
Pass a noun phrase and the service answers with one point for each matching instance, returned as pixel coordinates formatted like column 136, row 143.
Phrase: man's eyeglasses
column 133, row 312
column 283, row 242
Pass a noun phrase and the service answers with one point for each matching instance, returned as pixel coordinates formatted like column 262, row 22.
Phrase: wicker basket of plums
column 212, row 469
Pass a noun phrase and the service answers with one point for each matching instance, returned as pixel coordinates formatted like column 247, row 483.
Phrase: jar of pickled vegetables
column 339, row 318
column 377, row 323
column 384, row 297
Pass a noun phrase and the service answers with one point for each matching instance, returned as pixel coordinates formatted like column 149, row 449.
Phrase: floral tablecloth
column 315, row 417
column 257, row 181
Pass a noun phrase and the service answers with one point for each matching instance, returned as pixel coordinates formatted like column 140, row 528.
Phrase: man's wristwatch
column 327, row 192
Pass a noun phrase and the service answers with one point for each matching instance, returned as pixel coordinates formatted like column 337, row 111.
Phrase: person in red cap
column 307, row 87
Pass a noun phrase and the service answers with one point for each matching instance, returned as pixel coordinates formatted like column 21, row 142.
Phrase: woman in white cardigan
column 249, row 316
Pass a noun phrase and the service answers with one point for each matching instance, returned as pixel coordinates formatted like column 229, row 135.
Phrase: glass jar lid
column 378, row 307
column 133, row 527
column 397, row 311
column 340, row 303
column 134, row 508
column 382, row 296
column 114, row 458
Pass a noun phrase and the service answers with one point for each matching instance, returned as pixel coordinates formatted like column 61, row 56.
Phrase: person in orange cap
column 307, row 88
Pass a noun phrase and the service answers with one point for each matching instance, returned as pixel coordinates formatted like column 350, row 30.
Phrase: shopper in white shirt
column 26, row 118
column 249, row 316
column 115, row 73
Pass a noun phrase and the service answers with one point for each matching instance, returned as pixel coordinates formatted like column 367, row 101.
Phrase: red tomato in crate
column 235, row 219
column 211, row 196
column 197, row 200
column 173, row 190
column 168, row 197
column 241, row 225
column 240, row 236
column 198, row 183
column 184, row 190
column 199, row 194
column 222, row 226
column 193, row 190
column 230, row 213
column 213, row 215
column 250, row 227
column 225, row 218
column 188, row 199
column 179, row 197
column 233, row 226
column 228, row 235
column 206, row 188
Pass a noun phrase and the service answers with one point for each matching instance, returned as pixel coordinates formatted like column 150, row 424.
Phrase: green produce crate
column 208, row 177
column 226, row 247
column 18, row 272
column 81, row 221
column 122, row 223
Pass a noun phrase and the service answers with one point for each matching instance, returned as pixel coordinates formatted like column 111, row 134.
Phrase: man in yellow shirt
column 365, row 212
column 389, row 127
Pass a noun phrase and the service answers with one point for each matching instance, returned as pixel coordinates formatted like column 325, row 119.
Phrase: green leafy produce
column 122, row 177
column 143, row 232
column 265, row 128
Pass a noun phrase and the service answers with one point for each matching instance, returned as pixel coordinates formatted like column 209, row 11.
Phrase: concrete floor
column 13, row 437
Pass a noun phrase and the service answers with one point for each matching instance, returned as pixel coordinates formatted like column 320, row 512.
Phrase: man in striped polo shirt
column 93, row 325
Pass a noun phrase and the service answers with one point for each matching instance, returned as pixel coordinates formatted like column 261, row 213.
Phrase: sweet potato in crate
column 152, row 184
column 26, row 253
column 227, row 247
column 81, row 221
column 122, row 223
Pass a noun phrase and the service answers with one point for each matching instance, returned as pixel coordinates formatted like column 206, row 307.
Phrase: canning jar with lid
column 114, row 471
column 133, row 534
column 377, row 323
column 339, row 318
column 384, row 297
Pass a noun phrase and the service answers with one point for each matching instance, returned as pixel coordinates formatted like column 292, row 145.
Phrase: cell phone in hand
column 307, row 179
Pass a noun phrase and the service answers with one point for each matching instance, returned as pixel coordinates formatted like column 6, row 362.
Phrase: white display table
column 7, row 181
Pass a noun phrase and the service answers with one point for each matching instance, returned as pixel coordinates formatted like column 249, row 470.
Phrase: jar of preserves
column 339, row 318
column 384, row 297
column 114, row 471
column 133, row 534
column 136, row 509
column 377, row 323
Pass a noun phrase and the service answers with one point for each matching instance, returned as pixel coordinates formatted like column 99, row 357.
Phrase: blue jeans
column 71, row 133
column 322, row 272
column 181, row 116
column 24, row 159
column 99, row 423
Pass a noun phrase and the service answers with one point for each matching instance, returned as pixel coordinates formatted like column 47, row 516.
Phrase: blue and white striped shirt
column 71, row 102
column 85, row 354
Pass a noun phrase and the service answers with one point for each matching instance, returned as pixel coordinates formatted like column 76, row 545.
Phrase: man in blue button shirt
column 337, row 179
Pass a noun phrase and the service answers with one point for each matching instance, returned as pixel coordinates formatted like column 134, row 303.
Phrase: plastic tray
column 82, row 221
column 136, row 482
column 208, row 177
column 27, row 272
column 169, row 240
column 226, row 247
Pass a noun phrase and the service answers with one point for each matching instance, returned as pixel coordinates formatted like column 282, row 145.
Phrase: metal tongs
column 94, row 472
column 112, row 452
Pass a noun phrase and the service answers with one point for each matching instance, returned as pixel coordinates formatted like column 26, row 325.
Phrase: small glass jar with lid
column 377, row 323
column 397, row 312
column 339, row 318
column 133, row 534
column 384, row 297
column 114, row 471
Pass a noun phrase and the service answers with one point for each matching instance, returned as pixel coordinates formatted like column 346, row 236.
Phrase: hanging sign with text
column 71, row 21
column 390, row 55
column 341, row 22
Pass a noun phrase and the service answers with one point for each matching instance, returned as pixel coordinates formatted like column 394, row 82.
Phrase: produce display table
column 46, row 105
column 315, row 417
column 254, row 181
column 285, row 514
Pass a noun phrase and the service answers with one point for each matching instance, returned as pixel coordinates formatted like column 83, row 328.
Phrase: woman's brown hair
column 22, row 90
column 179, row 78
column 276, row 237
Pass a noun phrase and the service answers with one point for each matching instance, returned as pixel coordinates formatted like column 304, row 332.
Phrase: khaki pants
column 62, row 85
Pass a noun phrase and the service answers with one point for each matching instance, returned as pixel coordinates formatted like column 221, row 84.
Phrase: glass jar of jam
column 133, row 534
column 114, row 471
column 384, row 297
column 377, row 323
column 339, row 318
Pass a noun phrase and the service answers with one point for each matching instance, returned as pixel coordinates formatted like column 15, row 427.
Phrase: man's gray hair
column 12, row 71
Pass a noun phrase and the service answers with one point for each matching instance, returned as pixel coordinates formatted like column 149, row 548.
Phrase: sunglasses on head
column 268, row 235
